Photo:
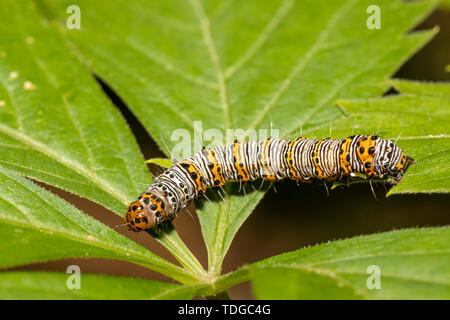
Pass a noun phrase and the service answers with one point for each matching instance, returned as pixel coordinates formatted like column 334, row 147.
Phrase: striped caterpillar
column 270, row 159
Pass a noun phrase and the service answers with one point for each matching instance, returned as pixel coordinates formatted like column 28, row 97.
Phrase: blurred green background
column 293, row 216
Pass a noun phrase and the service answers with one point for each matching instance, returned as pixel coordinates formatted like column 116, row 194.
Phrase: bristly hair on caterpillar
column 301, row 159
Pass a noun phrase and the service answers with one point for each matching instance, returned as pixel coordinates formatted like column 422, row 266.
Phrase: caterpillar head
column 146, row 212
column 391, row 161
column 398, row 168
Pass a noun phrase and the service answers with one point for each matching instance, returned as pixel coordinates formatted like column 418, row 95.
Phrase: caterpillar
column 271, row 159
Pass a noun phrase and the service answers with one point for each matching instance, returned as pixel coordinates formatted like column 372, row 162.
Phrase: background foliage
column 297, row 66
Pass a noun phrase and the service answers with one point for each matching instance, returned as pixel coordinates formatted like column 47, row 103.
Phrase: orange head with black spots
column 137, row 219
column 145, row 213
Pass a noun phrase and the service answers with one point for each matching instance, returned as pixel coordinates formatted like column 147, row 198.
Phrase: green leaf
column 181, row 61
column 165, row 163
column 413, row 264
column 220, row 220
column 429, row 144
column 21, row 285
column 57, row 126
column 419, row 118
column 36, row 225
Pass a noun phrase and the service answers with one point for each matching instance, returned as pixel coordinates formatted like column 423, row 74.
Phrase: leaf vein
column 209, row 43
column 272, row 25
column 316, row 47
